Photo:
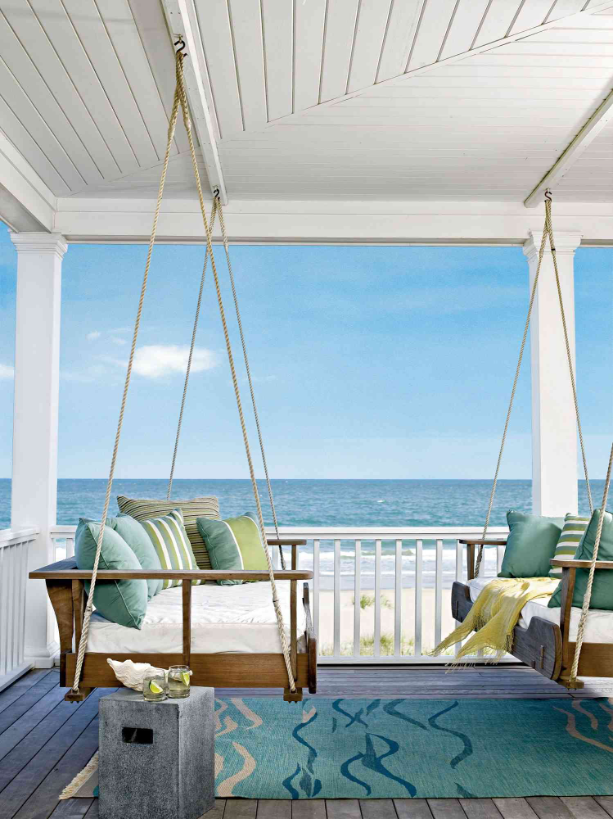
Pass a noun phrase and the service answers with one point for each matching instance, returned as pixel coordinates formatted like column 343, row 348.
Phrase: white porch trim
column 555, row 449
column 35, row 424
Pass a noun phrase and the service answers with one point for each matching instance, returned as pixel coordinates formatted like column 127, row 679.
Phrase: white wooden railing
column 13, row 576
column 380, row 594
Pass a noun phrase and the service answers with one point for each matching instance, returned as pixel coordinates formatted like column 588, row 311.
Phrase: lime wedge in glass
column 185, row 677
column 155, row 688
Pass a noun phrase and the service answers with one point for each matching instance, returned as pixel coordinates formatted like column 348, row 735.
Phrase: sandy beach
column 367, row 621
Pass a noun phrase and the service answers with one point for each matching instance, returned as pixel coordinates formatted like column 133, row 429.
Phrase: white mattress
column 238, row 618
column 598, row 627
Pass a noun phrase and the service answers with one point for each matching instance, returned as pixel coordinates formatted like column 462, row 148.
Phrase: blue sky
column 368, row 362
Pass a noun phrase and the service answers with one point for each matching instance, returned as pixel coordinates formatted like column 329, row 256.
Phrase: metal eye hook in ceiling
column 181, row 43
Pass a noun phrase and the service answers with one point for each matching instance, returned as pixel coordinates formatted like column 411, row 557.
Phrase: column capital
column 565, row 242
column 26, row 242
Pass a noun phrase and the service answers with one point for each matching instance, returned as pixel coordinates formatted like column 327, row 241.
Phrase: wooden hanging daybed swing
column 547, row 646
column 293, row 666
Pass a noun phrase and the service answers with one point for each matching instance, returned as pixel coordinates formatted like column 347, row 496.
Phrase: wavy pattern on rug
column 266, row 748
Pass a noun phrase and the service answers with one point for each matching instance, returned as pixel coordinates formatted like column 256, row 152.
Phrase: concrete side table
column 156, row 759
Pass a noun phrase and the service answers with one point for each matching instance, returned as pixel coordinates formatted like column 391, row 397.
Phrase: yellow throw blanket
column 494, row 615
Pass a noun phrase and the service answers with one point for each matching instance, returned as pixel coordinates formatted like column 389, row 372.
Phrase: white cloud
column 6, row 371
column 157, row 361
column 117, row 340
column 95, row 334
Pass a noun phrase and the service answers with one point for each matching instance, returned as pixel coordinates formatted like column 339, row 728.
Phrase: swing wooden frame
column 544, row 645
column 65, row 587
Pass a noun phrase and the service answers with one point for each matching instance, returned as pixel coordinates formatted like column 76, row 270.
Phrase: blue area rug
column 266, row 748
column 412, row 748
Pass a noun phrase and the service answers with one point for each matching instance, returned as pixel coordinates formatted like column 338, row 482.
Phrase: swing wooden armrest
column 286, row 542
column 572, row 563
column 472, row 543
column 67, row 570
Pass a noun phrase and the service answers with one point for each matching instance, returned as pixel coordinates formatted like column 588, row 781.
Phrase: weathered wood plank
column 479, row 808
column 27, row 701
column 238, row 809
column 605, row 803
column 446, row 809
column 585, row 808
column 16, row 794
column 549, row 808
column 29, row 720
column 93, row 809
column 21, row 686
column 416, row 809
column 73, row 808
column 274, row 809
column 308, row 810
column 25, row 750
column 217, row 812
column 378, row 809
column 514, row 808
column 343, row 809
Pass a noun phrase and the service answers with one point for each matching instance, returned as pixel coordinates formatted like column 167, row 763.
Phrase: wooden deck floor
column 45, row 742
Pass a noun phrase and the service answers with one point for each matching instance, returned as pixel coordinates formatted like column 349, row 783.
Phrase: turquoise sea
column 316, row 503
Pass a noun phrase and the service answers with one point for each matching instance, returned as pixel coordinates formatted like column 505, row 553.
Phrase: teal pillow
column 234, row 543
column 140, row 543
column 530, row 545
column 122, row 602
column 601, row 595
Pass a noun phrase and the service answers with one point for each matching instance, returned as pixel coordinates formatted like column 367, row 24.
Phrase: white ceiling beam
column 456, row 58
column 183, row 21
column 311, row 222
column 573, row 152
column 26, row 203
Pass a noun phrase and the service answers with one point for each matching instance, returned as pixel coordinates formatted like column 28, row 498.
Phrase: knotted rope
column 547, row 234
column 180, row 99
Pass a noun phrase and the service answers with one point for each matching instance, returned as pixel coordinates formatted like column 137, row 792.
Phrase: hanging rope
column 235, row 382
column 547, row 234
column 180, row 98
column 90, row 598
column 591, row 574
column 189, row 366
column 249, row 375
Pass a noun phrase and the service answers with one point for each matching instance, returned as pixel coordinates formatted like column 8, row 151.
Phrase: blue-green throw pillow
column 530, row 545
column 122, row 602
column 601, row 594
column 135, row 535
column 234, row 543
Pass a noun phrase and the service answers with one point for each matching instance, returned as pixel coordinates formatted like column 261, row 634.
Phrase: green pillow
column 172, row 544
column 136, row 537
column 122, row 602
column 233, row 543
column 571, row 535
column 530, row 545
column 601, row 596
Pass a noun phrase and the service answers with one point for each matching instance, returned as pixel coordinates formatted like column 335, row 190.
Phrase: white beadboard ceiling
column 314, row 99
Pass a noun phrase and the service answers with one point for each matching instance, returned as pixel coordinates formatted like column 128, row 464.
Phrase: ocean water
column 316, row 503
column 322, row 503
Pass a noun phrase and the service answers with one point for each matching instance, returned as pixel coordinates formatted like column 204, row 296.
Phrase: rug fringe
column 80, row 779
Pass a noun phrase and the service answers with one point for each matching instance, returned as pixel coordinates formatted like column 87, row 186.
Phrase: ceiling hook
column 548, row 194
column 181, row 43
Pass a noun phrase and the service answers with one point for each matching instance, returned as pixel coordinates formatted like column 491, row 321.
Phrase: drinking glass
column 154, row 686
column 179, row 682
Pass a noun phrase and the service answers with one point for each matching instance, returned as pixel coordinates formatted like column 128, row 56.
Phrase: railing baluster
column 459, row 577
column 22, row 611
column 357, row 593
column 500, row 552
column 10, row 621
column 337, row 609
column 438, row 588
column 378, row 600
column 316, row 586
column 3, row 609
column 398, row 596
column 418, row 601
column 70, row 547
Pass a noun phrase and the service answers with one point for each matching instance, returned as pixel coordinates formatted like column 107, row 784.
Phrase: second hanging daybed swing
column 291, row 662
column 559, row 651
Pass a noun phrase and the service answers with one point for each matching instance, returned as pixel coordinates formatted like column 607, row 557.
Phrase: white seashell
column 132, row 674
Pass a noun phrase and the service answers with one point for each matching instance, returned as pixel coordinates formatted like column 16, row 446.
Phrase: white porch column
column 35, row 425
column 555, row 451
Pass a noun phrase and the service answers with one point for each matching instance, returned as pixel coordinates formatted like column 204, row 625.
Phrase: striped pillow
column 569, row 539
column 205, row 507
column 171, row 542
